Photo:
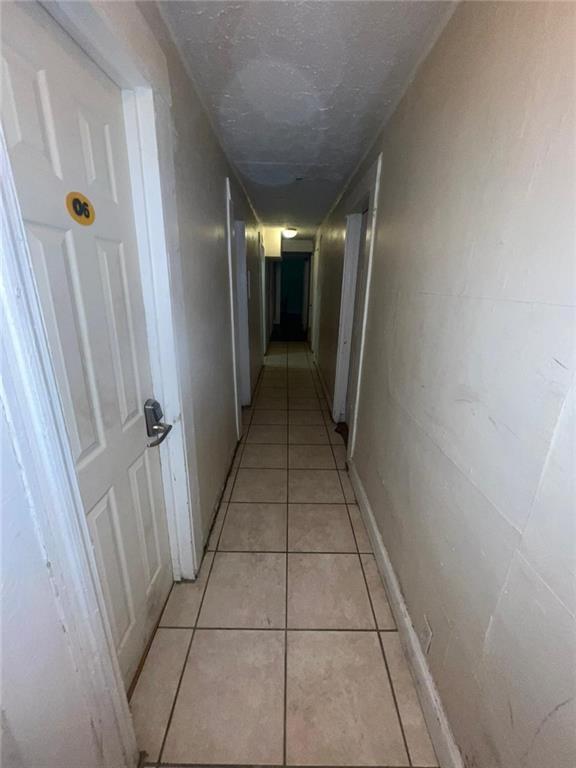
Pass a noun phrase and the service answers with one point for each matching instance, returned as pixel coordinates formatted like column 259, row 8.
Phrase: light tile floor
column 284, row 651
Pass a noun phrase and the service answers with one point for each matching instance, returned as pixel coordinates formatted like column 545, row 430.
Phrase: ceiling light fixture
column 289, row 233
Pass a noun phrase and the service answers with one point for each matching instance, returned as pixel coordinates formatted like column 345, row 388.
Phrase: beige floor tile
column 307, row 390
column 230, row 705
column 314, row 486
column 245, row 590
column 320, row 528
column 271, row 402
column 307, row 434
column 261, row 485
column 264, row 416
column 340, row 455
column 419, row 744
column 303, row 404
column 340, row 709
column 261, row 456
column 271, row 371
column 299, row 381
column 380, row 603
column 311, row 457
column 184, row 601
column 153, row 696
column 306, row 418
column 327, row 592
column 254, row 527
column 217, row 527
column 360, row 531
column 347, row 487
column 267, row 433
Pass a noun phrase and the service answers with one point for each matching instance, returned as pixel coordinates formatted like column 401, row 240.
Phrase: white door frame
column 242, row 297
column 119, row 41
column 263, row 295
column 354, row 203
column 101, row 36
column 231, row 251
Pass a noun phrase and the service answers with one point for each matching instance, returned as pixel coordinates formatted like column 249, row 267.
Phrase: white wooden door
column 358, row 311
column 232, row 248
column 242, row 327
column 64, row 126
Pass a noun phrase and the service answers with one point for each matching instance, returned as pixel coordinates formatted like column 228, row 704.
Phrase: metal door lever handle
column 162, row 430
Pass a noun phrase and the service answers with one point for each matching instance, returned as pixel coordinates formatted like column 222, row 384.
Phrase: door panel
column 108, row 545
column 64, row 124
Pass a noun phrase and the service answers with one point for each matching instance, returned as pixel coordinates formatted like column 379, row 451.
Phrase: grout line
column 132, row 688
column 289, row 551
column 288, row 629
column 380, row 643
column 240, row 450
column 263, row 765
column 176, row 693
column 285, row 711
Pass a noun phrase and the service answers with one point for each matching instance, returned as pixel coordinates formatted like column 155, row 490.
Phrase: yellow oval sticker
column 80, row 208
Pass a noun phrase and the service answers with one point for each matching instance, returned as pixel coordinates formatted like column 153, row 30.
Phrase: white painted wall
column 200, row 170
column 465, row 443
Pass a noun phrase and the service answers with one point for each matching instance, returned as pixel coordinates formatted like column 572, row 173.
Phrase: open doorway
column 292, row 287
column 358, row 248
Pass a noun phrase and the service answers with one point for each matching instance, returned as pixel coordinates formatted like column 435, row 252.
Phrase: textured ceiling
column 298, row 90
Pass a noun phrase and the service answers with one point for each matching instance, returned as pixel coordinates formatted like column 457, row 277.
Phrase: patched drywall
column 466, row 431
column 298, row 90
column 202, row 285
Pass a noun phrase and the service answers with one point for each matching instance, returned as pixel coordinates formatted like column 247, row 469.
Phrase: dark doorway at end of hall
column 291, row 287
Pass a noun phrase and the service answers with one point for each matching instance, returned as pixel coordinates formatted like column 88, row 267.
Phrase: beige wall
column 465, row 441
column 205, row 340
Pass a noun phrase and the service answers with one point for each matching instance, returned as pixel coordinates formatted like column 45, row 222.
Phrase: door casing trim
column 367, row 188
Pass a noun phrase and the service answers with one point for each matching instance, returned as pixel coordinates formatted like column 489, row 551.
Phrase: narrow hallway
column 288, row 386
column 285, row 651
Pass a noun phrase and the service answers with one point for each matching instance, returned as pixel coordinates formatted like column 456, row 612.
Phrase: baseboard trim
column 447, row 752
